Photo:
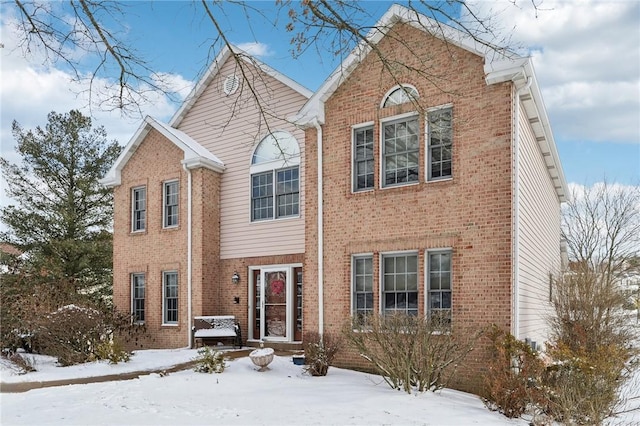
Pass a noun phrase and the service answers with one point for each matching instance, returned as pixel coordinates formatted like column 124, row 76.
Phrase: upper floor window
column 170, row 202
column 275, row 177
column 400, row 151
column 138, row 208
column 440, row 136
column 363, row 164
column 400, row 95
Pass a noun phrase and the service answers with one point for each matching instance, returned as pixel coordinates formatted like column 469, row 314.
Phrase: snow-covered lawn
column 239, row 396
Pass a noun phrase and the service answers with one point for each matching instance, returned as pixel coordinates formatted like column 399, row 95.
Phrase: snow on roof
column 195, row 155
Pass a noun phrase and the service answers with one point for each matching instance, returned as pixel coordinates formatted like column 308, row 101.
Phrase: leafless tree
column 94, row 28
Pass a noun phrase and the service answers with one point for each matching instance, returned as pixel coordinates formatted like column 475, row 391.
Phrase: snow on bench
column 217, row 327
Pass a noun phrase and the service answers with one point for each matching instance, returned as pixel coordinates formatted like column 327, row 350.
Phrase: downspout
column 189, row 250
column 320, row 232
column 516, row 212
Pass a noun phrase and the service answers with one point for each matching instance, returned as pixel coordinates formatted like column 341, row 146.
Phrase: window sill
column 170, row 325
column 280, row 219
column 403, row 185
column 446, row 179
column 141, row 232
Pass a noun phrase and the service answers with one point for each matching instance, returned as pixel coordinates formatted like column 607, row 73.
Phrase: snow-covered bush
column 209, row 361
column 319, row 352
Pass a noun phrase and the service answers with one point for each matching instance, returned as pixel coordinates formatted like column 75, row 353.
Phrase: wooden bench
column 216, row 328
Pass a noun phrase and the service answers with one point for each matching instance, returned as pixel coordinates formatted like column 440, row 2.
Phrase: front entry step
column 278, row 346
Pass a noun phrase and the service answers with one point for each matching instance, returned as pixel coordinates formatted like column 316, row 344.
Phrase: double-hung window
column 137, row 298
column 138, row 209
column 170, row 297
column 362, row 268
column 440, row 138
column 170, row 203
column 400, row 151
column 363, row 164
column 400, row 283
column 439, row 287
column 275, row 178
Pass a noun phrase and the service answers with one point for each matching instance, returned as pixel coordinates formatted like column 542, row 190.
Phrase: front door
column 275, row 311
column 275, row 315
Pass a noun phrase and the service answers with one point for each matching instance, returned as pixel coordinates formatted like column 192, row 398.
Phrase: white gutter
column 189, row 249
column 320, row 232
column 515, row 329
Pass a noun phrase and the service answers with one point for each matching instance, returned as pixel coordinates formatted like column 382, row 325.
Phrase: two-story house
column 434, row 189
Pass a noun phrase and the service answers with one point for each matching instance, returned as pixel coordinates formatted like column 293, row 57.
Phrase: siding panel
column 230, row 127
column 539, row 227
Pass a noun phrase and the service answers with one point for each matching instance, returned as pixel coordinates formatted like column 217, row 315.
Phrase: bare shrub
column 319, row 352
column 23, row 363
column 515, row 370
column 410, row 352
column 591, row 345
column 76, row 334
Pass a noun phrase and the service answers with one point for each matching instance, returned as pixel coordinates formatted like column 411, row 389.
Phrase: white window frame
column 354, row 258
column 427, row 138
column 134, row 298
column 165, row 205
column 387, row 120
column 165, row 298
column 134, row 221
column 354, row 129
column 407, row 87
column 427, row 278
column 381, row 271
column 274, row 166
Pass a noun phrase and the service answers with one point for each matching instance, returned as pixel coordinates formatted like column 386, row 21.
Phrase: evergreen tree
column 63, row 217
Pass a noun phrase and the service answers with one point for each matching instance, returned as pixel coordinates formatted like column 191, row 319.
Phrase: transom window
column 275, row 177
column 170, row 202
column 400, row 284
column 138, row 209
column 400, row 151
column 400, row 95
column 363, row 164
column 439, row 285
column 170, row 297
column 137, row 298
column 440, row 143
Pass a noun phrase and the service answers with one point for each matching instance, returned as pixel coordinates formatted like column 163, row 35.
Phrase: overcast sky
column 586, row 55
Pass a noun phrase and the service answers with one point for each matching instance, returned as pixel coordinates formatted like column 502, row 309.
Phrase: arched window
column 400, row 95
column 275, row 177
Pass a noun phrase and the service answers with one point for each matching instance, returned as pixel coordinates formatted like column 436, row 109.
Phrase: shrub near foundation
column 410, row 352
column 515, row 372
column 319, row 352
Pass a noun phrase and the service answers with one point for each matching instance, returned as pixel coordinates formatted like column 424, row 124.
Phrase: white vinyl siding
column 539, row 226
column 229, row 129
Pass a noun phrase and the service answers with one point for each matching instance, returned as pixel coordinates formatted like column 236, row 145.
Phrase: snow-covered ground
column 283, row 395
column 239, row 396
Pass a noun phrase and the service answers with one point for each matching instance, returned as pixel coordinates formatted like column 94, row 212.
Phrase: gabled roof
column 215, row 68
column 195, row 155
column 314, row 108
column 500, row 66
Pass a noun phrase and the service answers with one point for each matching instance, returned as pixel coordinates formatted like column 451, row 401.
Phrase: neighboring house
column 429, row 196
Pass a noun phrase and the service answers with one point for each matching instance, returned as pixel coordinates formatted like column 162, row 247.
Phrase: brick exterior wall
column 156, row 249
column 470, row 213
